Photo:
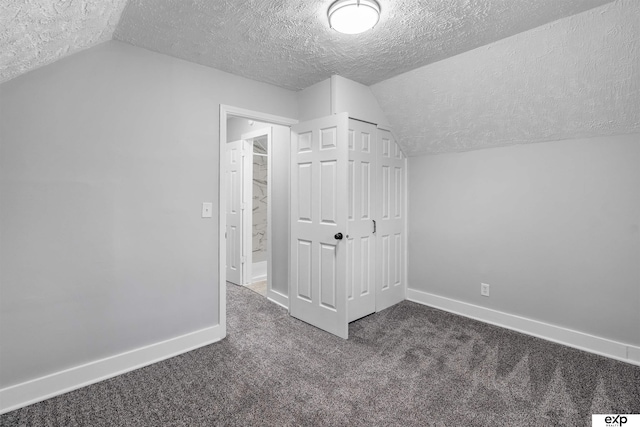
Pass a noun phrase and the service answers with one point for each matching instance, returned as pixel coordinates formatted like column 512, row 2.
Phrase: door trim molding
column 278, row 298
column 225, row 112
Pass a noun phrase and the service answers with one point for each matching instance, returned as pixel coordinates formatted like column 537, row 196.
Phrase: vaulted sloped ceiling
column 574, row 78
column 289, row 43
column 555, row 90
column 34, row 33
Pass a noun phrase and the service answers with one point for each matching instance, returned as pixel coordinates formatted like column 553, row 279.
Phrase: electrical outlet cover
column 484, row 289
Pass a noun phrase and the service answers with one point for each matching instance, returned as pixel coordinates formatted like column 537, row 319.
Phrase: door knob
column 338, row 236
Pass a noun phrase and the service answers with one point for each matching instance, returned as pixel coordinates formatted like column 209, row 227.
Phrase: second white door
column 238, row 164
column 361, row 242
column 391, row 221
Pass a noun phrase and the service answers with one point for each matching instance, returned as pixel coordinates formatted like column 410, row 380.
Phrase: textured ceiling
column 574, row 78
column 501, row 85
column 289, row 43
column 34, row 32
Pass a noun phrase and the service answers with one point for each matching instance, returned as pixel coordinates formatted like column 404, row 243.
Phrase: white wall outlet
column 484, row 289
column 207, row 210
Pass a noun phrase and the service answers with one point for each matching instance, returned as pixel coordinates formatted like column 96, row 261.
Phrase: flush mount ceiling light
column 353, row 16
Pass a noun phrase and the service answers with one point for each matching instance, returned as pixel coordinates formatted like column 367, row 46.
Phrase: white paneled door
column 236, row 203
column 319, row 157
column 390, row 271
column 361, row 207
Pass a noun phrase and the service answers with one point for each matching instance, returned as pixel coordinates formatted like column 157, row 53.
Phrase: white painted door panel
column 318, row 213
column 390, row 255
column 236, row 165
column 234, row 214
column 361, row 242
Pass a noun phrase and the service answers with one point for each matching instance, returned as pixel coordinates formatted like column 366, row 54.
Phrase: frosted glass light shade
column 353, row 16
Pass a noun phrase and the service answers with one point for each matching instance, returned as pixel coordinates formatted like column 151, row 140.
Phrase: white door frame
column 225, row 112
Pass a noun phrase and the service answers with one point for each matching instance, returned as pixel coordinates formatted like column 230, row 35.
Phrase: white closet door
column 390, row 258
column 318, row 221
column 361, row 242
column 234, row 211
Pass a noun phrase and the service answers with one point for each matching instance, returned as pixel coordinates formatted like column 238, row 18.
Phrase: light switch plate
column 207, row 210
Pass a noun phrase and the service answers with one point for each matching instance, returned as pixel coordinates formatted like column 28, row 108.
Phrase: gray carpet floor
column 407, row 365
column 259, row 287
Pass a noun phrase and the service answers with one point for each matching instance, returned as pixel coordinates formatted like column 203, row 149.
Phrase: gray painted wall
column 236, row 126
column 552, row 227
column 315, row 101
column 105, row 159
column 280, row 164
column 356, row 99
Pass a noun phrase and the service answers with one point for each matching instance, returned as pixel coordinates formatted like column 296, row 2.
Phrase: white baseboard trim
column 259, row 271
column 36, row 390
column 580, row 340
column 633, row 354
column 278, row 298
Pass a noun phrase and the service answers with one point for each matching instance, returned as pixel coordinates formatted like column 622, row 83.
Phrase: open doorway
column 248, row 200
column 314, row 182
column 260, row 199
column 255, row 163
